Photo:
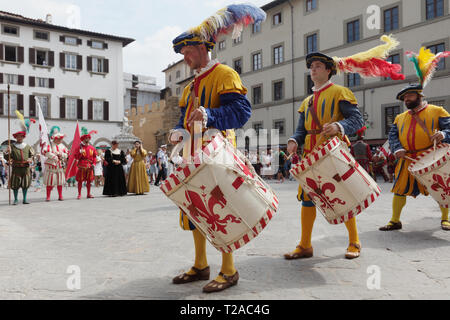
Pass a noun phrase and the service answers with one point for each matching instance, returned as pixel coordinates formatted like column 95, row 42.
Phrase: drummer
column 422, row 126
column 223, row 106
column 331, row 111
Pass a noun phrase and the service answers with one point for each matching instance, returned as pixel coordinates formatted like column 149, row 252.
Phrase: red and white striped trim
column 356, row 211
column 435, row 165
column 256, row 230
column 315, row 156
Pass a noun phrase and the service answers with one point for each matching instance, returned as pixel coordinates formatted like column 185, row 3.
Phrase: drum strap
column 421, row 124
column 417, row 151
column 314, row 114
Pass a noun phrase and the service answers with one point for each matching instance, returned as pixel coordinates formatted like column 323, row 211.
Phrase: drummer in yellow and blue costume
column 336, row 109
column 223, row 105
column 407, row 137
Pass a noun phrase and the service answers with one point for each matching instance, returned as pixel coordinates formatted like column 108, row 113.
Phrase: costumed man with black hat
column 56, row 155
column 415, row 131
column 361, row 150
column 222, row 105
column 333, row 111
column 87, row 158
column 21, row 156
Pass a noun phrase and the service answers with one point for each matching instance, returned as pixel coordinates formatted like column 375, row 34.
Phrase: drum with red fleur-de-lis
column 222, row 195
column 336, row 183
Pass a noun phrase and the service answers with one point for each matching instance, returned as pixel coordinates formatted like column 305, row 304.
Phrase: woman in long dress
column 115, row 184
column 138, row 178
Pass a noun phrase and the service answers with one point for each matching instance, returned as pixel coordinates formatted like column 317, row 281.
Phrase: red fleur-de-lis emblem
column 319, row 194
column 198, row 208
column 441, row 184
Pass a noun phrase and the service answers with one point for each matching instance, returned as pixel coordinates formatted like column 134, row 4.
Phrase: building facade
column 178, row 75
column 77, row 76
column 270, row 57
column 140, row 90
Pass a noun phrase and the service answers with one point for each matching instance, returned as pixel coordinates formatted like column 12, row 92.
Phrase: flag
column 43, row 132
column 72, row 163
column 385, row 149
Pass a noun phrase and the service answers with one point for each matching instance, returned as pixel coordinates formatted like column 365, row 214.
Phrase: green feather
column 414, row 60
column 84, row 131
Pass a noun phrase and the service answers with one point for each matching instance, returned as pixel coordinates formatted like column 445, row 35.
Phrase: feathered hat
column 232, row 18
column 55, row 133
column 86, row 134
column 23, row 125
column 370, row 63
column 360, row 133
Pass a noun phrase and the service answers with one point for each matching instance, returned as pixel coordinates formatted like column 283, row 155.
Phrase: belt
column 314, row 132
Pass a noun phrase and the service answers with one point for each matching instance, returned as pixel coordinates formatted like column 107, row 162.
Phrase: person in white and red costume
column 56, row 155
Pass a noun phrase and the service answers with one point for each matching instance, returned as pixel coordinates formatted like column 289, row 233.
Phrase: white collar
column 116, row 152
column 20, row 146
column 210, row 64
column 326, row 84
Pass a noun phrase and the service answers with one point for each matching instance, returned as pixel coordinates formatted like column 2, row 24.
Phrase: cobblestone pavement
column 131, row 247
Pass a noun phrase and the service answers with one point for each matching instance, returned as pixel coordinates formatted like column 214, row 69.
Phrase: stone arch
column 107, row 141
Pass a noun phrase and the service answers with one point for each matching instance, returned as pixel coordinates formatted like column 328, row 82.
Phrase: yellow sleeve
column 304, row 105
column 183, row 101
column 144, row 153
column 347, row 95
column 229, row 82
column 443, row 113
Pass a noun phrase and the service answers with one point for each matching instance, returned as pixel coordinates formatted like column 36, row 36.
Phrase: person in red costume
column 86, row 157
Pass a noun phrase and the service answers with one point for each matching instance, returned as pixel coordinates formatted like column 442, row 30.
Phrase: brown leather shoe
column 186, row 278
column 215, row 286
column 445, row 227
column 391, row 226
column 353, row 255
column 304, row 253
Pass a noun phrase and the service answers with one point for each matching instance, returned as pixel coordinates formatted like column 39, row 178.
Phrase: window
column 11, row 78
column 178, row 74
column 257, row 95
column 278, row 55
column 311, row 5
column 10, row 53
column 71, row 61
column 41, row 57
column 436, row 49
column 439, row 103
column 394, row 59
column 391, row 20
column 258, row 126
column 43, row 102
column 134, row 81
column 133, row 98
column 280, row 125
column 353, row 31
column 434, row 8
column 222, row 45
column 311, row 43
column 41, row 35
column 178, row 91
column 309, row 84
column 70, row 40
column 256, row 28
column 71, row 108
column 97, row 65
column 278, row 90
column 97, row 107
column 257, row 61
column 277, row 19
column 353, row 80
column 42, row 82
column 238, row 65
column 389, row 117
column 10, row 30
column 97, row 45
column 237, row 40
column 13, row 104
column 170, row 77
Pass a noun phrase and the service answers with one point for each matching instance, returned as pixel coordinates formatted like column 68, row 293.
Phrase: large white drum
column 336, row 183
column 432, row 169
column 222, row 195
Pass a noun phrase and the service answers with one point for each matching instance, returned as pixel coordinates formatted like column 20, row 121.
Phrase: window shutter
column 79, row 41
column 62, row 59
column 105, row 45
column 62, row 38
column 32, row 56
column 51, row 83
column 31, row 81
column 89, row 43
column 79, row 62
column 1, row 51
column 1, row 103
column 1, row 77
column 90, row 110
column 51, row 58
column 105, row 65
column 20, row 102
column 21, row 56
column 21, row 80
column 62, row 108
column 106, row 110
column 89, row 63
column 32, row 106
column 80, row 109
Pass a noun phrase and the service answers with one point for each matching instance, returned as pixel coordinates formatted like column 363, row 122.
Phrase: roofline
column 27, row 21
column 172, row 65
column 273, row 4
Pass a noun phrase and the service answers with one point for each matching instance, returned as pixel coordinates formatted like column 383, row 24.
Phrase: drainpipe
column 292, row 66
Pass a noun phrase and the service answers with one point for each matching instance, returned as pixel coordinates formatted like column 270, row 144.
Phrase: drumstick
column 414, row 160
column 434, row 148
